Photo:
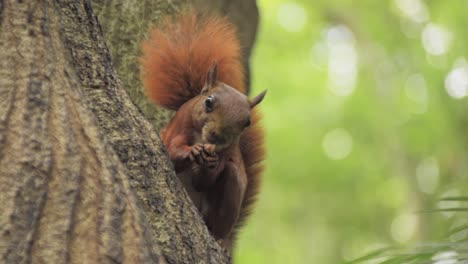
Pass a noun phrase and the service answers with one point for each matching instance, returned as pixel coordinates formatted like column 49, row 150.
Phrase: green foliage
column 365, row 118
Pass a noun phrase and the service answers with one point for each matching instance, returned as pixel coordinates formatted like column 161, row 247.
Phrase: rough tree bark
column 83, row 175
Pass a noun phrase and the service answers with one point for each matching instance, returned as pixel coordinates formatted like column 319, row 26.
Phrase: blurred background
column 366, row 119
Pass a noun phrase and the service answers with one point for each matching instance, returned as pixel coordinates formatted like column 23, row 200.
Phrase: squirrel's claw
column 201, row 155
column 211, row 162
column 196, row 153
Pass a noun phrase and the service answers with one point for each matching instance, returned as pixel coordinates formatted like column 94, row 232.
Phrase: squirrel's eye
column 209, row 104
column 247, row 123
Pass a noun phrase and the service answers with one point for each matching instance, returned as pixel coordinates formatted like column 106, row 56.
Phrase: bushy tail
column 253, row 152
column 178, row 54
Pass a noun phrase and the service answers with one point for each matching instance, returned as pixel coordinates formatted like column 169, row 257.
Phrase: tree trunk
column 83, row 175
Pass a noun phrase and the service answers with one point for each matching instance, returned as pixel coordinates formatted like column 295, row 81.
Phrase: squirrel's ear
column 211, row 78
column 257, row 99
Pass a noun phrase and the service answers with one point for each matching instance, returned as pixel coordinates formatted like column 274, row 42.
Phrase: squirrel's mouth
column 220, row 143
column 216, row 140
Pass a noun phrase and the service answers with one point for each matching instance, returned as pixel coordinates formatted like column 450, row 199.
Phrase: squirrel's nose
column 215, row 138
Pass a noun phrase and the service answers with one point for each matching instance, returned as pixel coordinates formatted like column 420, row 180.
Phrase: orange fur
column 175, row 60
column 253, row 152
column 179, row 53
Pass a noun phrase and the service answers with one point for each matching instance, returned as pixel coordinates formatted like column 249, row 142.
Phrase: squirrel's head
column 222, row 113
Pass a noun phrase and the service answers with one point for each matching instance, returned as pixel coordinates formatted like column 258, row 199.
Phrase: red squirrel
column 191, row 64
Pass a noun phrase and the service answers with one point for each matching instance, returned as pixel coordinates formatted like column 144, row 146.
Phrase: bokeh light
column 337, row 144
column 365, row 124
column 456, row 82
column 291, row 17
column 415, row 10
column 427, row 175
column 342, row 60
column 403, row 227
column 416, row 91
column 436, row 39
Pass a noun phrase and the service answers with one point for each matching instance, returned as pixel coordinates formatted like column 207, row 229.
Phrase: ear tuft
column 211, row 78
column 257, row 99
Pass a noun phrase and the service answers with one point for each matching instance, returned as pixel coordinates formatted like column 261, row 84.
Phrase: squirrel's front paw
column 203, row 157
